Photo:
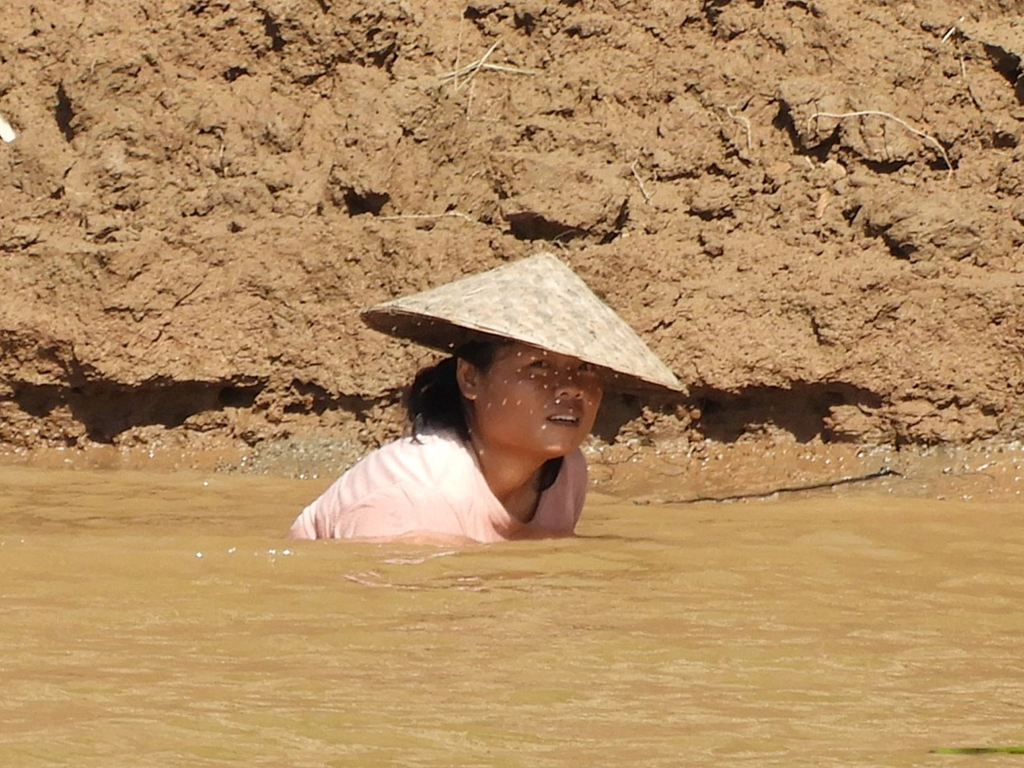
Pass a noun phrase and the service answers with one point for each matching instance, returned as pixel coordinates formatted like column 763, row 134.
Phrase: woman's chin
column 563, row 446
column 544, row 444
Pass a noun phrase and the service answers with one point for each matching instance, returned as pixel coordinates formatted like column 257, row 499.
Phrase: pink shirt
column 433, row 485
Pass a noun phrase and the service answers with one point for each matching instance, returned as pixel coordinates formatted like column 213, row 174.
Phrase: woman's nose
column 568, row 384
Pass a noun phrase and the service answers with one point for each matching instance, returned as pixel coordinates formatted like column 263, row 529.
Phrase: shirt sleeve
column 304, row 526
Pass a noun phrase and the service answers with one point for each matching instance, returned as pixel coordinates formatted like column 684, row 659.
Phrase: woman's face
column 539, row 404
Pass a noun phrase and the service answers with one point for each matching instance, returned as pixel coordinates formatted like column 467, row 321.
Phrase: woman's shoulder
column 427, row 445
column 420, row 459
column 411, row 484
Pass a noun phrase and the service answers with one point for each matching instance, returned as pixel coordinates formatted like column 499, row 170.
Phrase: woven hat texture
column 537, row 301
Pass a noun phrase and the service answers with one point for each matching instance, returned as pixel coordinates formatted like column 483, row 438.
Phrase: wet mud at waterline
column 161, row 620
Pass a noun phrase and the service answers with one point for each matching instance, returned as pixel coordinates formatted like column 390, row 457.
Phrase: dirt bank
column 203, row 193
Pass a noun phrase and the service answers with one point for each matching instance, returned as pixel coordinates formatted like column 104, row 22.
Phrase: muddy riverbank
column 202, row 195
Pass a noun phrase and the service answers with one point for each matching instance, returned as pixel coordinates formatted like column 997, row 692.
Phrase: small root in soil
column 640, row 182
column 871, row 112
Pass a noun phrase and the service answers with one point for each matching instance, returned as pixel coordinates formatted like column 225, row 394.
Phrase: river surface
column 163, row 620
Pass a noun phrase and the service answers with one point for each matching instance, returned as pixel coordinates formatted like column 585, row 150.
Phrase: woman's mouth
column 566, row 419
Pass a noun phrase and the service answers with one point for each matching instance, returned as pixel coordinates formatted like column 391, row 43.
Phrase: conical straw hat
column 537, row 301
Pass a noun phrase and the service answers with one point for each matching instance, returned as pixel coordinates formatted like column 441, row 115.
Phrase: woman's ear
column 469, row 378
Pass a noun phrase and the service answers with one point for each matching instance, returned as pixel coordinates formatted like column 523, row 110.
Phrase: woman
column 494, row 452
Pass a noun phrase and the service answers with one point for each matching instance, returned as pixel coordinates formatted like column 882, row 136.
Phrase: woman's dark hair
column 435, row 401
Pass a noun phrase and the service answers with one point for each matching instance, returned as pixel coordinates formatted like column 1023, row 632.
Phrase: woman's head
column 529, row 401
column 510, row 395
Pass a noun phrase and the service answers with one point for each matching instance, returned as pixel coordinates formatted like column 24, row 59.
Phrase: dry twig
column 869, row 112
column 640, row 182
column 952, row 31
column 745, row 123
column 470, row 70
column 883, row 472
column 457, row 214
column 458, row 42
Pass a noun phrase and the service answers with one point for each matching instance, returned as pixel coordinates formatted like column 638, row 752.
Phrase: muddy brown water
column 163, row 620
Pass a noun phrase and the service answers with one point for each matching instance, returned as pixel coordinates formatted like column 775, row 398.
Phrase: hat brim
column 446, row 337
